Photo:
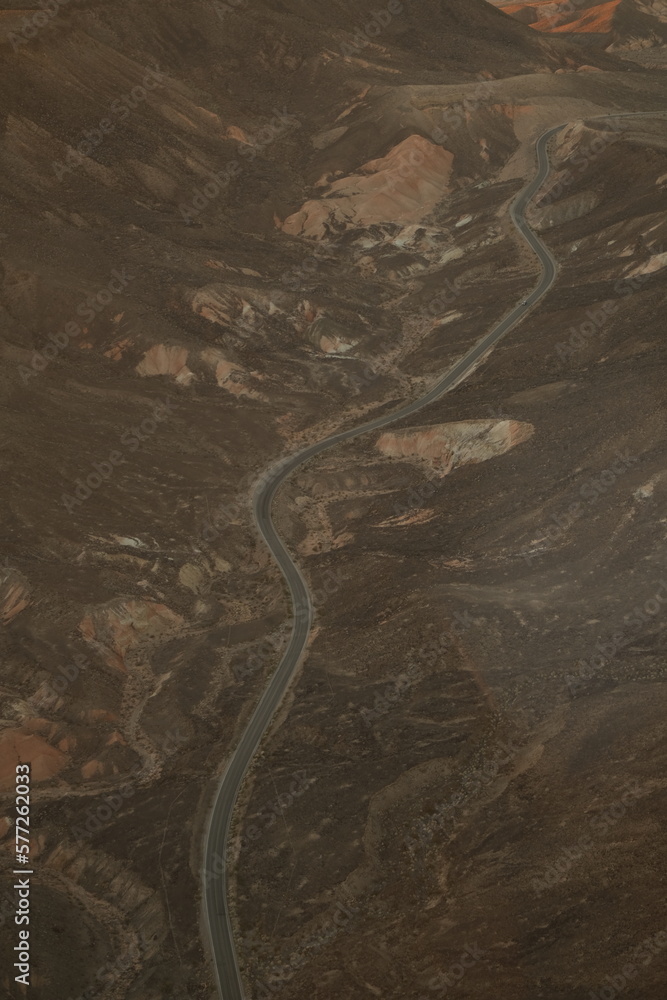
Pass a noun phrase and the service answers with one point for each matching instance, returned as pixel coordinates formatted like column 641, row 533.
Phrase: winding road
column 217, row 913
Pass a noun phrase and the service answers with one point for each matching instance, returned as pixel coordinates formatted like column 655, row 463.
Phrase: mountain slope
column 167, row 332
column 615, row 24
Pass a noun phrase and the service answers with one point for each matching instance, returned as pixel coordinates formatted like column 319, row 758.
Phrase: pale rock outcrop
column 402, row 187
column 14, row 594
column 324, row 139
column 650, row 266
column 156, row 181
column 193, row 577
column 224, row 369
column 163, row 360
column 565, row 210
column 579, row 140
column 331, row 337
column 444, row 447
column 228, row 374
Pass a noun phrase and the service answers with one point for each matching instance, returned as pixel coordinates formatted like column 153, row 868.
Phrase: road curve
column 216, row 911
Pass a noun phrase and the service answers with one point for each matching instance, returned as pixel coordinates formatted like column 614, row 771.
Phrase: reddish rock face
column 22, row 744
column 544, row 15
column 402, row 187
column 595, row 20
column 628, row 22
column 118, row 628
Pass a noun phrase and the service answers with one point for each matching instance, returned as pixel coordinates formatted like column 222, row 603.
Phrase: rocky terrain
column 615, row 25
column 227, row 230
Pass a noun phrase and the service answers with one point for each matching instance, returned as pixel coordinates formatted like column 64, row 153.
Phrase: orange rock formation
column 401, row 187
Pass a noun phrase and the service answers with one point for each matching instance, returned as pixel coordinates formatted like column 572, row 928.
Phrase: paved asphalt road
column 217, row 914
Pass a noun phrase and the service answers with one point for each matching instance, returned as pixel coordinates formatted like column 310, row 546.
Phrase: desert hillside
column 616, row 25
column 229, row 229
